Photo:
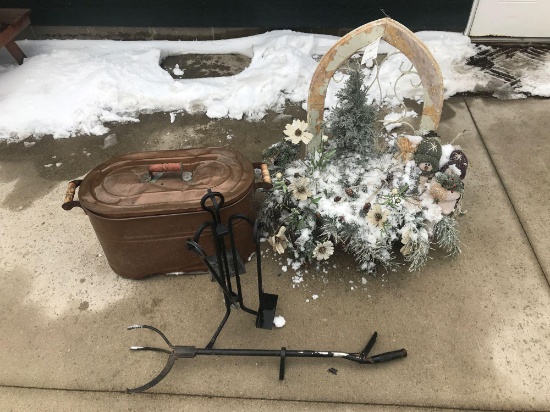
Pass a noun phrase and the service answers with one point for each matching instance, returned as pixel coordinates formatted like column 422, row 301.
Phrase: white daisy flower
column 323, row 250
column 377, row 216
column 279, row 241
column 297, row 132
column 299, row 188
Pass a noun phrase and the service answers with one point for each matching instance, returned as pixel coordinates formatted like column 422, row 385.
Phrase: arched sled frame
column 402, row 39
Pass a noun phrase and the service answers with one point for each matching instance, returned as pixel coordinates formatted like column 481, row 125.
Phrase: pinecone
column 350, row 192
column 341, row 218
column 337, row 198
column 366, row 207
column 389, row 177
column 297, row 175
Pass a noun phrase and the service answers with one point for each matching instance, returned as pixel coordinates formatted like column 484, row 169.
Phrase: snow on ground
column 537, row 84
column 450, row 50
column 71, row 87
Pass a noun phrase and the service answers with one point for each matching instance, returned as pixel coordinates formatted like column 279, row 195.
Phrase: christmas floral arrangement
column 377, row 194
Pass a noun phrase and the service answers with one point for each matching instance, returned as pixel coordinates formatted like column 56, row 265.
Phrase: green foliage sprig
column 352, row 122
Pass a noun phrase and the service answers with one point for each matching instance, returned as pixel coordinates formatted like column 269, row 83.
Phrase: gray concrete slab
column 477, row 329
column 23, row 399
column 516, row 135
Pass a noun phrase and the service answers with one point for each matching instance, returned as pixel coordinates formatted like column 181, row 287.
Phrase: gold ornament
column 407, row 149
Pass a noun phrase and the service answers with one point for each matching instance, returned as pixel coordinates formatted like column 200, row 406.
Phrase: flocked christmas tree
column 352, row 122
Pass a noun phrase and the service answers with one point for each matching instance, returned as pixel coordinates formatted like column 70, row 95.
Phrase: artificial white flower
column 279, row 175
column 297, row 132
column 299, row 188
column 377, row 216
column 324, row 138
column 279, row 241
column 323, row 250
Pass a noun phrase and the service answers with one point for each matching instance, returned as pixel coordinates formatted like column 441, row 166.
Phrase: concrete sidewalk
column 477, row 329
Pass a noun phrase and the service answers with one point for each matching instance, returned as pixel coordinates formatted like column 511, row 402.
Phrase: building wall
column 306, row 15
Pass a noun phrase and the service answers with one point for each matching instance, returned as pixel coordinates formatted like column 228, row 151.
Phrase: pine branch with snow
column 416, row 243
column 281, row 154
column 447, row 235
column 450, row 181
column 352, row 122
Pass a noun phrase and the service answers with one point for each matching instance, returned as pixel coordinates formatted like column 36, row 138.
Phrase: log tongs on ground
column 224, row 265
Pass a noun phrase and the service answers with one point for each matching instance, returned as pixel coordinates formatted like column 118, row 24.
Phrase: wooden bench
column 12, row 22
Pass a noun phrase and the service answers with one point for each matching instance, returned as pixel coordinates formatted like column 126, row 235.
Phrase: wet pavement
column 477, row 329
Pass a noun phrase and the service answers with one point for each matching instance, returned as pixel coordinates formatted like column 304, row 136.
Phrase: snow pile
column 70, row 87
column 450, row 50
column 538, row 83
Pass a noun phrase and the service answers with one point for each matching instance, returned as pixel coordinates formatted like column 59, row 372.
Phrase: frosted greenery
column 352, row 122
column 450, row 181
column 280, row 155
column 447, row 235
column 358, row 190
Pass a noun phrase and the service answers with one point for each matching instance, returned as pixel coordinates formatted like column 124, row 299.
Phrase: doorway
column 509, row 18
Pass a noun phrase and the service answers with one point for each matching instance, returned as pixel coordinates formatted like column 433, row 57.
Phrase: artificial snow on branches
column 281, row 154
column 375, row 201
column 352, row 122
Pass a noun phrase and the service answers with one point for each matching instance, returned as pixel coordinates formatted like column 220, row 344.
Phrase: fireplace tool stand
column 223, row 266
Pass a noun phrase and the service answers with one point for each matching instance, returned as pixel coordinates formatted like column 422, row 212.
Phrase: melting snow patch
column 297, row 279
column 279, row 321
column 177, row 71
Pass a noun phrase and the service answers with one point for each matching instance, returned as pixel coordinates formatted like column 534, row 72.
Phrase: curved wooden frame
column 398, row 36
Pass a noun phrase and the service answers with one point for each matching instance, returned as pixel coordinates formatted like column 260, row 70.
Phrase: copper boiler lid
column 120, row 187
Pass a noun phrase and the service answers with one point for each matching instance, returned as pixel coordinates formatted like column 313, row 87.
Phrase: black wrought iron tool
column 223, row 266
